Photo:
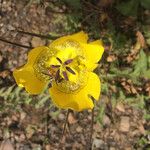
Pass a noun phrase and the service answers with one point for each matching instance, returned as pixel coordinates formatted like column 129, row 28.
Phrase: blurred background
column 122, row 116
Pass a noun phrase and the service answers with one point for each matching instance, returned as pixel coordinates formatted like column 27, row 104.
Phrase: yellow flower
column 67, row 64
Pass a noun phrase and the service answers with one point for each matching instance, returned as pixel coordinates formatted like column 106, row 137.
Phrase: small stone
column 79, row 129
column 36, row 147
column 14, row 118
column 128, row 148
column 36, row 41
column 106, row 120
column 61, row 116
column 16, row 137
column 112, row 148
column 124, row 124
column 24, row 40
column 25, row 147
column 142, row 130
column 6, row 145
column 47, row 147
column 97, row 143
column 10, row 27
column 22, row 138
column 22, row 115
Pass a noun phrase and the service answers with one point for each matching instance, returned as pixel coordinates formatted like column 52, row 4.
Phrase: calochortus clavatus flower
column 67, row 64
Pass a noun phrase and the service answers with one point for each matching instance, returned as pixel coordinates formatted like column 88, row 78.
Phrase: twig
column 38, row 35
column 28, row 33
column 87, row 17
column 91, row 5
column 16, row 44
column 64, row 129
column 58, row 12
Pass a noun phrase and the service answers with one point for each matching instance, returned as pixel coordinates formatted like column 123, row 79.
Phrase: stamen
column 55, row 66
column 57, row 76
column 68, row 61
column 59, row 60
column 65, row 75
column 70, row 70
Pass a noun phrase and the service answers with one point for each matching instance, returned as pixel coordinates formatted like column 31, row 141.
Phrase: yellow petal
column 73, row 77
column 94, row 86
column 97, row 42
column 34, row 53
column 79, row 37
column 25, row 77
column 93, row 53
column 79, row 100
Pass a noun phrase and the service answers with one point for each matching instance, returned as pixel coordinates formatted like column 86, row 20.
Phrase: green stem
column 91, row 130
column 66, row 122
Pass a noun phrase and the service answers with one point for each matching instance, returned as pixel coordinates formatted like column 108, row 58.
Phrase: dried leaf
column 105, row 3
column 4, row 73
column 133, row 90
column 124, row 124
column 142, row 130
column 120, row 107
column 140, row 40
column 111, row 58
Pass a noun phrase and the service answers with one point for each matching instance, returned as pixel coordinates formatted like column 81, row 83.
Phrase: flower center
column 64, row 66
column 60, row 71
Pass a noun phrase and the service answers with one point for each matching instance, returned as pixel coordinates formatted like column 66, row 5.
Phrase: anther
column 70, row 70
column 55, row 66
column 68, row 61
column 65, row 75
column 59, row 60
column 57, row 76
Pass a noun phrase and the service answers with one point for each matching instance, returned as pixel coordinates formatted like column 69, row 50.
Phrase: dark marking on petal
column 50, row 85
column 68, row 61
column 46, row 73
column 55, row 66
column 60, row 79
column 65, row 75
column 59, row 60
column 70, row 70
